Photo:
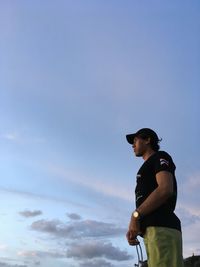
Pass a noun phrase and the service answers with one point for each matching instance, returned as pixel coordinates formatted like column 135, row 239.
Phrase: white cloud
column 41, row 254
column 10, row 136
column 22, row 137
column 3, row 247
column 27, row 254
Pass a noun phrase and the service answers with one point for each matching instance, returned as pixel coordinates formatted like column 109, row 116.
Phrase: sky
column 76, row 76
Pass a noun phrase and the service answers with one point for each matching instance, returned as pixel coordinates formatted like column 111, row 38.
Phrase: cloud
column 105, row 188
column 187, row 217
column 80, row 229
column 50, row 254
column 21, row 137
column 3, row 264
column 27, row 194
column 28, row 213
column 188, row 204
column 3, row 247
column 190, row 221
column 96, row 263
column 28, row 254
column 41, row 254
column 96, row 249
column 10, row 136
column 192, row 182
column 11, row 262
column 86, row 251
column 74, row 216
column 191, row 240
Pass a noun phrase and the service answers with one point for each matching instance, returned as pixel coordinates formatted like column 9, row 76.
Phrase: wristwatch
column 136, row 214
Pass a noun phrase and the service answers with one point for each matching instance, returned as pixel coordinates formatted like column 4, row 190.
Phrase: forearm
column 153, row 201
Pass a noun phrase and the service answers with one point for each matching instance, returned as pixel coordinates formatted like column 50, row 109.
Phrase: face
column 139, row 146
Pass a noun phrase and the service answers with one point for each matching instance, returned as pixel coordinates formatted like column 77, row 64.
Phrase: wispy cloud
column 28, row 213
column 105, row 188
column 10, row 136
column 189, row 192
column 40, row 196
column 3, row 247
column 22, row 137
column 27, row 253
column 40, row 254
column 187, row 217
column 192, row 182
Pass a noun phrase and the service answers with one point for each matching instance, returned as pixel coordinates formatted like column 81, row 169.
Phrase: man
column 156, row 193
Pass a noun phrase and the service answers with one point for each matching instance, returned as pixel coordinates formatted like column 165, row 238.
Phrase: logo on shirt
column 138, row 197
column 164, row 162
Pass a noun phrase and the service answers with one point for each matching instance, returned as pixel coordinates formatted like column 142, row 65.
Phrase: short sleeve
column 164, row 162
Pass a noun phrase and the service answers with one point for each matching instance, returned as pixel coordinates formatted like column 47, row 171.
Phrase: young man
column 156, row 193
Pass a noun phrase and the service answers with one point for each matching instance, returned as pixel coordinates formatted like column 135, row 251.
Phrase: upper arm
column 165, row 181
column 164, row 170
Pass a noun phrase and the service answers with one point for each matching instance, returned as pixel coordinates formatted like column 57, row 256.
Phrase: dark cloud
column 80, row 229
column 3, row 264
column 96, row 263
column 87, row 246
column 96, row 249
column 50, row 254
column 74, row 216
column 28, row 213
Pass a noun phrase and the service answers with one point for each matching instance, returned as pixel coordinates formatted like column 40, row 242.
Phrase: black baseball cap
column 144, row 133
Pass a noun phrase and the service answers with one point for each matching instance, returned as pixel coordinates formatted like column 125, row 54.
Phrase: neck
column 148, row 154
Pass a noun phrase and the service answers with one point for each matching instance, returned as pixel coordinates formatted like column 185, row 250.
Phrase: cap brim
column 130, row 138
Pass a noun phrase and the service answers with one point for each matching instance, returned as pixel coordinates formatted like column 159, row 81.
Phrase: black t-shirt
column 146, row 183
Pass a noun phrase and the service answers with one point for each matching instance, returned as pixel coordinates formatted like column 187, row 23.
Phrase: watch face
column 135, row 214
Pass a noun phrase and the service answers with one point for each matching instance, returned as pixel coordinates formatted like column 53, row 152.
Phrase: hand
column 132, row 242
column 133, row 231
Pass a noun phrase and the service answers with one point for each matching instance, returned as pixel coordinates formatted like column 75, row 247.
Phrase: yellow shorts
column 163, row 247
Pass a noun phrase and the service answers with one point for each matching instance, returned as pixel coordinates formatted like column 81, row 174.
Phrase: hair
column 154, row 142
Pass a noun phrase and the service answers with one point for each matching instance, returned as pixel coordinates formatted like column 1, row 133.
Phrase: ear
column 147, row 140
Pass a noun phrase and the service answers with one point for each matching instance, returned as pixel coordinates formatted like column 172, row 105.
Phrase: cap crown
column 143, row 133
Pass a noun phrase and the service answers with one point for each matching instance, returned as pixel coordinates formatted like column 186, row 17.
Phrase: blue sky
column 75, row 78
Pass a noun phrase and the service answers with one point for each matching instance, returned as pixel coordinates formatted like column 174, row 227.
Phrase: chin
column 138, row 154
